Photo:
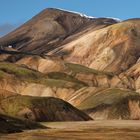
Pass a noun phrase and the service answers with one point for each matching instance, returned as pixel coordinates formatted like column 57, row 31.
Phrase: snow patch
column 10, row 46
column 84, row 15
column 116, row 19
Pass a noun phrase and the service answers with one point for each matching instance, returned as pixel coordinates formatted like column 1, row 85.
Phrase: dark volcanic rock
column 13, row 125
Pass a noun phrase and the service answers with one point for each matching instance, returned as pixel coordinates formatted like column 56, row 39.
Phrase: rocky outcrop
column 14, row 125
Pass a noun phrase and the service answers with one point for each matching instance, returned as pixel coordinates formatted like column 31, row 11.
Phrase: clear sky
column 15, row 12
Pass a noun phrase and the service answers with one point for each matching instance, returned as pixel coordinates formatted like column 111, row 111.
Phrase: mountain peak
column 50, row 28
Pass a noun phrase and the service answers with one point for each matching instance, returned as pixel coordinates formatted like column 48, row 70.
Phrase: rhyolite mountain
column 92, row 63
column 51, row 28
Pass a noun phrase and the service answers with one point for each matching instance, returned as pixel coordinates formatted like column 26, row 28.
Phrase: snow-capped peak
column 86, row 16
column 81, row 14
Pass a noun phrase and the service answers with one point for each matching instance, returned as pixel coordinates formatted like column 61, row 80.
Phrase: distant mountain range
column 7, row 27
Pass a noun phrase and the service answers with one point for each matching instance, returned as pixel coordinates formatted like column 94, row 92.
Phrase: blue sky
column 15, row 12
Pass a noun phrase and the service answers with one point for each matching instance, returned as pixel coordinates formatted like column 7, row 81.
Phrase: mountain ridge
column 88, row 62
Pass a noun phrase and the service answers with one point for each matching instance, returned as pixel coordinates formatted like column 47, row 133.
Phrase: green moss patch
column 23, row 74
column 106, row 97
column 83, row 69
column 64, row 76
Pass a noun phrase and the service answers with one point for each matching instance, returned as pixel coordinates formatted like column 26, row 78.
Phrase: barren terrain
column 90, row 130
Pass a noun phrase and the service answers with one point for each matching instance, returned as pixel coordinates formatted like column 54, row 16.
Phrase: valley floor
column 90, row 130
